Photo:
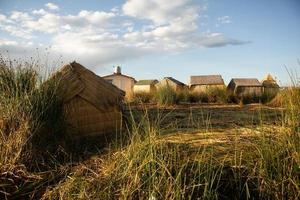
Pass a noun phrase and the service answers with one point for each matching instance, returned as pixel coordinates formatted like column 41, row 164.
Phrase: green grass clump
column 142, row 97
column 166, row 96
column 217, row 95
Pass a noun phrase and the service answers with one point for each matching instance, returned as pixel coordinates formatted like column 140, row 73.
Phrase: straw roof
column 118, row 74
column 76, row 80
column 270, row 82
column 206, row 80
column 146, row 82
column 269, row 78
column 174, row 81
column 246, row 82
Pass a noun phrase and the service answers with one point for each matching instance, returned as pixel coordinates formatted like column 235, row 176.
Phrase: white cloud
column 95, row 17
column 159, row 11
column 5, row 42
column 15, row 31
column 47, row 23
column 93, row 48
column 52, row 6
column 20, row 16
column 99, row 37
column 224, row 20
column 212, row 40
column 2, row 18
column 39, row 12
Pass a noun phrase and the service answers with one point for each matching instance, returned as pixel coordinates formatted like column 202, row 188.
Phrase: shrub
column 166, row 96
column 232, row 98
column 250, row 98
column 268, row 96
column 184, row 96
column 198, row 97
column 217, row 95
column 142, row 97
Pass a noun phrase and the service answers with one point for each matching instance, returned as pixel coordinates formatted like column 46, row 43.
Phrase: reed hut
column 245, row 87
column 171, row 82
column 270, row 85
column 92, row 105
column 145, row 86
column 205, row 82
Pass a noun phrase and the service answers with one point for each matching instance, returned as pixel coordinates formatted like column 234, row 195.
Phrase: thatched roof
column 246, row 82
column 146, row 82
column 118, row 74
column 74, row 79
column 174, row 80
column 269, row 77
column 269, row 81
column 206, row 80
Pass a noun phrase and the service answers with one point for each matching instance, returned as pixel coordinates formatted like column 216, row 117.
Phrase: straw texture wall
column 85, row 119
column 170, row 82
column 92, row 105
column 205, row 88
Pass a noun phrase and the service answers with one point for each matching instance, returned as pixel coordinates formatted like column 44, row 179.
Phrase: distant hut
column 245, row 86
column 204, row 83
column 171, row 82
column 92, row 105
column 145, row 86
column 120, row 80
column 270, row 86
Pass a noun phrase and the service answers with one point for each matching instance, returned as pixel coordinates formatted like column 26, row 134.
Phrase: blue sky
column 157, row 38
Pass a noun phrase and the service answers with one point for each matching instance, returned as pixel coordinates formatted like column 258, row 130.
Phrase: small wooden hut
column 206, row 82
column 245, row 86
column 92, row 105
column 145, row 86
column 171, row 82
column 270, row 85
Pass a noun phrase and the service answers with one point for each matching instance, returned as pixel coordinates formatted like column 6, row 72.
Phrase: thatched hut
column 206, row 82
column 245, row 87
column 270, row 85
column 92, row 105
column 171, row 82
column 145, row 86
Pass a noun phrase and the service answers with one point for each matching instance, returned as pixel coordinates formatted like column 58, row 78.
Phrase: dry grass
column 185, row 152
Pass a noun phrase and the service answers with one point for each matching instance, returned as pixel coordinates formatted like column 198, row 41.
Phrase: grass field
column 184, row 151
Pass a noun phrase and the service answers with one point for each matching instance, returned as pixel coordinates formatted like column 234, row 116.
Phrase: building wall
column 248, row 90
column 271, row 88
column 124, row 83
column 144, row 88
column 164, row 83
column 84, row 119
column 205, row 88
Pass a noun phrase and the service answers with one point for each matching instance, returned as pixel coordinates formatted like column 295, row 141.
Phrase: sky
column 151, row 39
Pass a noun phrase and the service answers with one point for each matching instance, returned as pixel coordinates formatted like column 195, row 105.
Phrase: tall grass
column 146, row 168
column 31, row 127
column 146, row 165
column 31, row 112
column 166, row 95
column 149, row 167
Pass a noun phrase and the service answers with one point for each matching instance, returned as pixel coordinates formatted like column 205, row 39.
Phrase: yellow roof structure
column 74, row 79
column 269, row 77
column 269, row 81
